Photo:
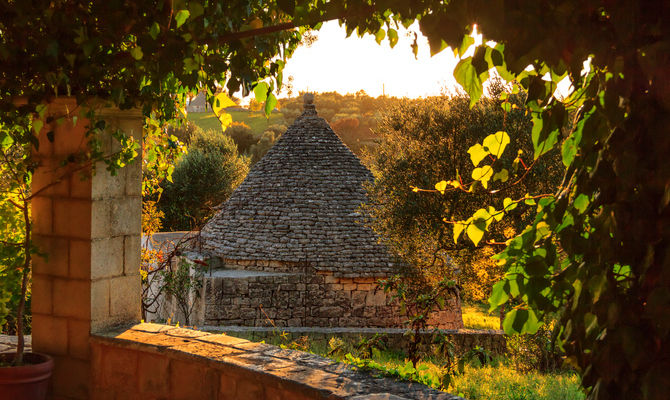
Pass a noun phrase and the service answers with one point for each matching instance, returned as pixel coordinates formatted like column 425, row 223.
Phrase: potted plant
column 22, row 375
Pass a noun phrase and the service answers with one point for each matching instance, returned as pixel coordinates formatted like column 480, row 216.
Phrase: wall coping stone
column 310, row 372
column 243, row 273
column 318, row 329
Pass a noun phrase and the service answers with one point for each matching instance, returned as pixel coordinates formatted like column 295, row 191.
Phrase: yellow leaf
column 226, row 120
column 542, row 230
column 475, row 232
column 483, row 215
column 483, row 174
column 414, row 189
column 458, row 228
column 455, row 184
column 497, row 215
column 509, row 204
column 441, row 186
column 221, row 101
column 496, row 143
column 477, row 154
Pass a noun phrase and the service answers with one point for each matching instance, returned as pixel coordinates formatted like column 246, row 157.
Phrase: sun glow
column 347, row 65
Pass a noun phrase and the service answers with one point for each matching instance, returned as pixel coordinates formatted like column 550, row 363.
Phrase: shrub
column 425, row 141
column 534, row 352
column 258, row 150
column 203, row 178
column 277, row 130
column 242, row 135
column 184, row 131
column 345, row 124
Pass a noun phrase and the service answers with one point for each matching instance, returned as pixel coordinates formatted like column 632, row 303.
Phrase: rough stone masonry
column 293, row 225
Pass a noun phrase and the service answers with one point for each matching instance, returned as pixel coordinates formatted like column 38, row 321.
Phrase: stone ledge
column 8, row 343
column 295, row 373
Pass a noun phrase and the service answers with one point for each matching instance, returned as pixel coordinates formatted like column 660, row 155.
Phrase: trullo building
column 290, row 245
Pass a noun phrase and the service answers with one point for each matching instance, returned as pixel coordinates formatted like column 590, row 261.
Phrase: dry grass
column 476, row 316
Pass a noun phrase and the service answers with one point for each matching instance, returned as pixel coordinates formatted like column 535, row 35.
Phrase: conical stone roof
column 299, row 204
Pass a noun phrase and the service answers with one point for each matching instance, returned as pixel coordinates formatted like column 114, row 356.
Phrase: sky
column 347, row 65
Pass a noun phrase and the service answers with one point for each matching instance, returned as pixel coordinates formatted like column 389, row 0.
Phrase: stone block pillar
column 89, row 227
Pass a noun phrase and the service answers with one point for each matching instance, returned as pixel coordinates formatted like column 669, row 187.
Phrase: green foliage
column 202, row 179
column 12, row 228
column 417, row 301
column 368, row 346
column 409, row 371
column 337, row 347
column 150, row 57
column 428, row 141
column 266, row 141
column 242, row 135
column 600, row 261
column 439, row 369
column 183, row 132
column 535, row 352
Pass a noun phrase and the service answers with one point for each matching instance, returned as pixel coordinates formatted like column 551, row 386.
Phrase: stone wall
column 290, row 299
column 89, row 225
column 306, row 298
column 281, row 294
column 150, row 361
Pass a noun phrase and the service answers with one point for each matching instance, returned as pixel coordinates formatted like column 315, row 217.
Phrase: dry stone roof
column 299, row 204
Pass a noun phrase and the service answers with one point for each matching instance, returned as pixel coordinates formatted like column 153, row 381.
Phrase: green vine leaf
column 380, row 35
column 581, row 203
column 154, row 30
column 466, row 75
column 393, row 37
column 136, row 53
column 261, row 91
column 521, row 321
column 270, row 104
column 499, row 295
column 509, row 204
column 502, row 175
column 181, row 16
column 465, row 44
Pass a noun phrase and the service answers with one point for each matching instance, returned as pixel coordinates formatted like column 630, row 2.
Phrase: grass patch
column 503, row 382
column 256, row 120
column 476, row 316
column 496, row 381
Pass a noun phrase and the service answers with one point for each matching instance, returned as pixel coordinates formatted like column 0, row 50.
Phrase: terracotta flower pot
column 27, row 382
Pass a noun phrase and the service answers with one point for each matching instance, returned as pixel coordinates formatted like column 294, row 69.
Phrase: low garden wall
column 262, row 298
column 159, row 361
